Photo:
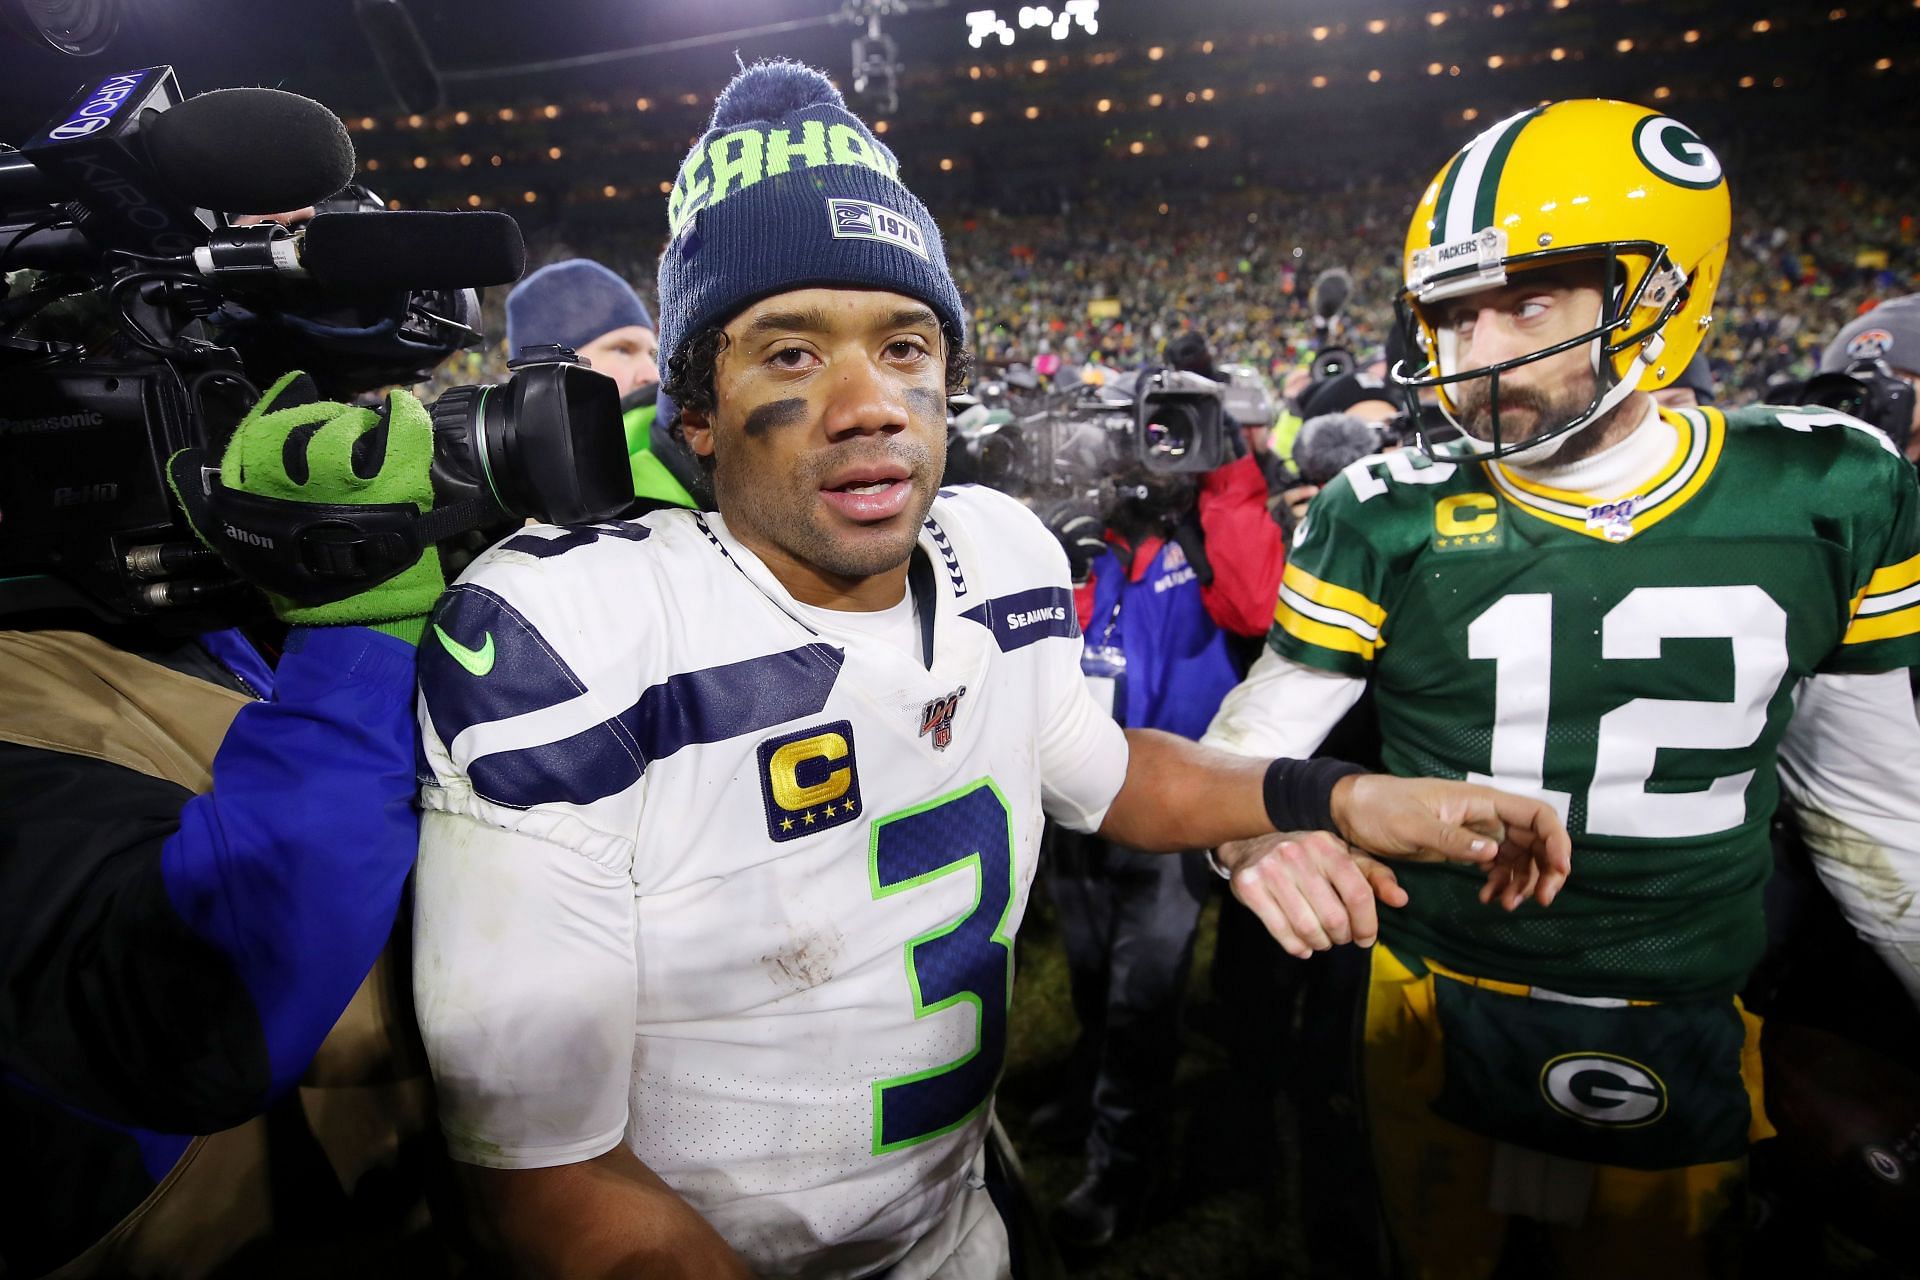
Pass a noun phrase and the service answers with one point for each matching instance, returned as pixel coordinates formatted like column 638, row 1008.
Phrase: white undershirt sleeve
column 1847, row 769
column 1083, row 753
column 1283, row 708
column 524, row 985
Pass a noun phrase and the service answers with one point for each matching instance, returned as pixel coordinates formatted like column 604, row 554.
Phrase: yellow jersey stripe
column 1319, row 634
column 1895, row 577
column 1683, row 445
column 1883, row 626
column 1645, row 517
column 1333, row 597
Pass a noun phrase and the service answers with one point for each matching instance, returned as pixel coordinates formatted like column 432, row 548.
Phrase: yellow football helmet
column 1590, row 180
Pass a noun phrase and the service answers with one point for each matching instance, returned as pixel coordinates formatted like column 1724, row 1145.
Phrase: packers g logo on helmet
column 1618, row 185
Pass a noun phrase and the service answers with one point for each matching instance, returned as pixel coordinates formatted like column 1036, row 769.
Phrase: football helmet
column 1630, row 189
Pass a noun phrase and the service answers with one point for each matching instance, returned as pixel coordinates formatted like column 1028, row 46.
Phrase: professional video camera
column 1104, row 442
column 137, row 320
column 1868, row 390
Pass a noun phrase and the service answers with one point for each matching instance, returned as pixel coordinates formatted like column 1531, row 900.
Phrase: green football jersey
column 1631, row 661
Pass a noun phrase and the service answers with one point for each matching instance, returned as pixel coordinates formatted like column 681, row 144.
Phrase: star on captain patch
column 936, row 718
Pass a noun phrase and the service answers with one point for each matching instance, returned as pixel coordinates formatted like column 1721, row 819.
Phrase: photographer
column 201, row 858
column 1883, row 344
column 1167, row 577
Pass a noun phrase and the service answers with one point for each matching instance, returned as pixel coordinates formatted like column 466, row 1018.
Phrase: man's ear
column 697, row 429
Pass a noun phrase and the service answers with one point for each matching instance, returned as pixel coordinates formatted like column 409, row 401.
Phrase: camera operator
column 1882, row 344
column 201, row 858
column 1166, row 577
column 581, row 304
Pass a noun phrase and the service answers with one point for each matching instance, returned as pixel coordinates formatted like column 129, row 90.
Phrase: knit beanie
column 787, row 190
column 571, row 303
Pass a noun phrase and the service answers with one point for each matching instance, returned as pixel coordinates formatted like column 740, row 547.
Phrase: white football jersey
column 740, row 890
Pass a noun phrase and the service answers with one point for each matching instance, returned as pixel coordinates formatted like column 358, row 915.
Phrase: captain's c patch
column 809, row 781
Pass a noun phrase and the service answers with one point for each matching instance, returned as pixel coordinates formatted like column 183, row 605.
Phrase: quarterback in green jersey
column 1663, row 623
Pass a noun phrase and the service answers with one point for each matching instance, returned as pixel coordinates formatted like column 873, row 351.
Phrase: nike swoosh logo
column 477, row 661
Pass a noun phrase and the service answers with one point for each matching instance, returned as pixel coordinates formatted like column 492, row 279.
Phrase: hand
column 1077, row 524
column 1310, row 890
column 330, row 466
column 1520, row 841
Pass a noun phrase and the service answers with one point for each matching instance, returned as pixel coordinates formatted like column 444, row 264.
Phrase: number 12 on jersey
column 968, row 962
column 1516, row 635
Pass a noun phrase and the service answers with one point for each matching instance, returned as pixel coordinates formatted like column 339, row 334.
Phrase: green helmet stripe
column 1483, row 201
column 1446, row 196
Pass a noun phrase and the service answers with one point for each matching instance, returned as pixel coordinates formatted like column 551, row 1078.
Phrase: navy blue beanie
column 787, row 190
column 571, row 303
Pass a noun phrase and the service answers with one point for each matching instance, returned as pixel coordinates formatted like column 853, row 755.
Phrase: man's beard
column 1475, row 412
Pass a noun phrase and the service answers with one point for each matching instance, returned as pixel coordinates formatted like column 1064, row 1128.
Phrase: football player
column 1654, row 619
column 733, row 817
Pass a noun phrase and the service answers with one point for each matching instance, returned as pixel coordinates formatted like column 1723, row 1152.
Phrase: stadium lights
column 1623, row 46
column 373, row 165
column 1436, row 18
column 1192, row 97
column 1206, row 46
column 1373, row 77
column 1318, row 33
column 1135, row 148
column 946, row 164
column 1377, row 26
column 1663, row 92
column 1319, row 82
column 1495, row 62
column 879, row 126
column 1691, row 37
column 1746, row 82
column 1761, row 27
column 550, row 111
column 368, row 122
column 1038, row 66
column 1206, row 95
column 643, row 104
column 978, row 117
column 609, row 191
column 1558, row 55
column 393, row 204
column 1434, row 68
column 413, row 122
column 666, row 188
column 461, row 117
column 1836, row 15
column 495, row 161
column 1154, row 100
column 1104, row 105
column 1156, row 53
column 466, row 159
column 553, row 153
column 529, row 196
column 1885, row 64
column 1033, row 113
column 505, row 113
column 1471, row 113
column 419, row 162
column 1203, row 142
column 473, row 202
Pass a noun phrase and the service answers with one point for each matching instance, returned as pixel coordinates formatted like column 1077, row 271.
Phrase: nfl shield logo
column 936, row 718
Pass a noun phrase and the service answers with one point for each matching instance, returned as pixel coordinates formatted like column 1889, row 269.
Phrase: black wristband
column 1299, row 793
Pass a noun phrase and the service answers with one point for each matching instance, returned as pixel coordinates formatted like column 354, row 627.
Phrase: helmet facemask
column 1643, row 291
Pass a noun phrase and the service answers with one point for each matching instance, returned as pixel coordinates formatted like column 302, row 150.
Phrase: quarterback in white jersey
column 732, row 817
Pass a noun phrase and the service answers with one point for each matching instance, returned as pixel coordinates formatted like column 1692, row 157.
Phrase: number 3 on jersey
column 967, row 962
column 1515, row 634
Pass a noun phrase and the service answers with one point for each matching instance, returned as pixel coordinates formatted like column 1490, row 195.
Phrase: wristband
column 1299, row 793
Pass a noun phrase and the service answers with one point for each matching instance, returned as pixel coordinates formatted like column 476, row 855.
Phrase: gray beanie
column 1889, row 332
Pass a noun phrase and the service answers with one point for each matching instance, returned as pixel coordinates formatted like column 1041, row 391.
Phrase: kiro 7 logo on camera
column 865, row 220
column 99, row 109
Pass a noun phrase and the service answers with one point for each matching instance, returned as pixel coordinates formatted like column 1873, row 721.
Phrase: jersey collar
column 1700, row 435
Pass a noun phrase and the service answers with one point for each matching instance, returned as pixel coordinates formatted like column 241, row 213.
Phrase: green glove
column 296, row 449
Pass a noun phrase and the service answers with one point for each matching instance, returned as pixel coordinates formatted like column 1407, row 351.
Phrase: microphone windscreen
column 1328, row 443
column 413, row 249
column 1331, row 289
column 401, row 53
column 249, row 150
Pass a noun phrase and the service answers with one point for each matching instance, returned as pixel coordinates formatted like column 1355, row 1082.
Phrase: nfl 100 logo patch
column 936, row 718
column 809, row 780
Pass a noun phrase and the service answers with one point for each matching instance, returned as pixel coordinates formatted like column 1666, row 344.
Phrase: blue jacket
column 1178, row 667
column 170, row 962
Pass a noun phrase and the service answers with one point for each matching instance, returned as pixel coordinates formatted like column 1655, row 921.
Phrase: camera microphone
column 375, row 252
column 141, row 165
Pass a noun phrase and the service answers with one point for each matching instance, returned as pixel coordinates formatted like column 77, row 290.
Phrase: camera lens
column 1171, row 432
